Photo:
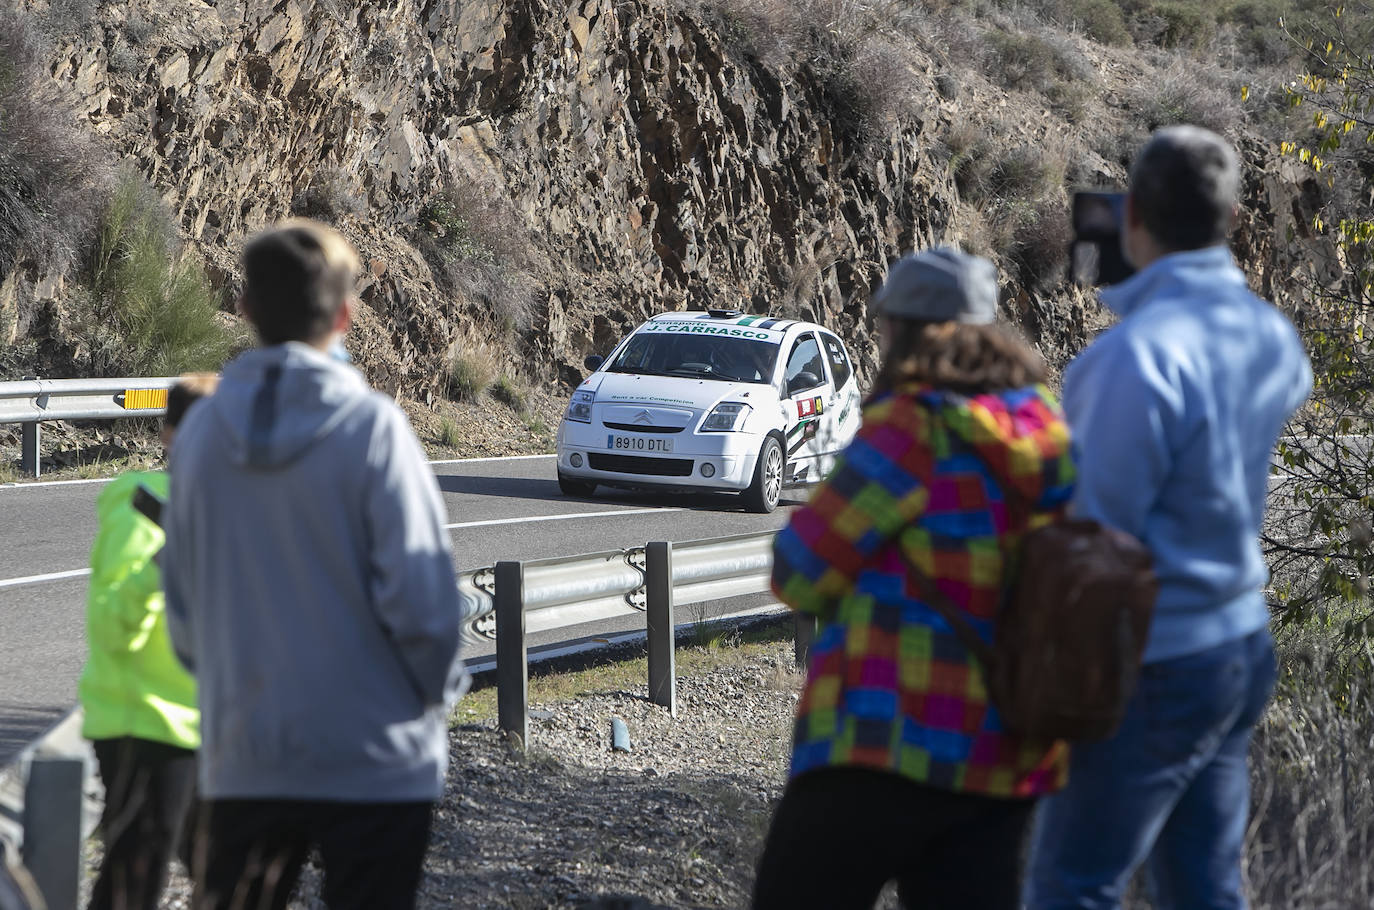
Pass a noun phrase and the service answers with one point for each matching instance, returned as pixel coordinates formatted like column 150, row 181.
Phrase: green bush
column 1101, row 20
column 1184, row 24
column 152, row 311
column 449, row 433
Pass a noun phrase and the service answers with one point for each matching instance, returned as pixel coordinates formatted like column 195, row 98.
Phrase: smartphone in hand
column 1095, row 257
column 149, row 503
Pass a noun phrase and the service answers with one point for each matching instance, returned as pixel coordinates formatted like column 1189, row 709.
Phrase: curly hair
column 970, row 359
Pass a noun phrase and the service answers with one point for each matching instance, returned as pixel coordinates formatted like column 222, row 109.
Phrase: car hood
column 694, row 394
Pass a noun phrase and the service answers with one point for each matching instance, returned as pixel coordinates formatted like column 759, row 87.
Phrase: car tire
column 763, row 494
column 579, row 488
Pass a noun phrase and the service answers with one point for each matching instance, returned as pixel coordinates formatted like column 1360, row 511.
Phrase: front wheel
column 764, row 492
column 579, row 488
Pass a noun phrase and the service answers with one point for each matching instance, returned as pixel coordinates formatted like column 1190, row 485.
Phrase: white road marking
column 39, row 579
column 562, row 517
column 492, row 458
column 25, row 485
column 77, row 573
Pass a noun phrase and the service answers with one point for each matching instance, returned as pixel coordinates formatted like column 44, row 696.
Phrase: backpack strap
column 944, row 605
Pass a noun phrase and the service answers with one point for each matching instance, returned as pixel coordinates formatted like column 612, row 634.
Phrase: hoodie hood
column 1020, row 436
column 276, row 402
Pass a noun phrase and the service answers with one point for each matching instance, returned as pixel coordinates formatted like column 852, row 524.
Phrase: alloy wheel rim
column 772, row 474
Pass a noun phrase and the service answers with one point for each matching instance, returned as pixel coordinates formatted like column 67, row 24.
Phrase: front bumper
column 584, row 453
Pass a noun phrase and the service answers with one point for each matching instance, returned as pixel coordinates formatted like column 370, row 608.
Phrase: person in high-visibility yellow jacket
column 139, row 703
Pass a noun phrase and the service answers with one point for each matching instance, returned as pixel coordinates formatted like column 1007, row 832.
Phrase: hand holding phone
column 1095, row 257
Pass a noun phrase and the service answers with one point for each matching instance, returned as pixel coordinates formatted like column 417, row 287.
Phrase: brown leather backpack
column 1070, row 635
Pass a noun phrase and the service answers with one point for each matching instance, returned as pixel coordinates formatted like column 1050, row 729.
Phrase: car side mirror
column 593, row 362
column 802, row 380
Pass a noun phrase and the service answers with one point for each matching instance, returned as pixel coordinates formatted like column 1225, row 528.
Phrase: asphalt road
column 499, row 509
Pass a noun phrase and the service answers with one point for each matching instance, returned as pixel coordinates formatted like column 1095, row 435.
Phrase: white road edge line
column 563, row 517
column 23, row 485
column 39, row 579
column 492, row 458
column 77, row 573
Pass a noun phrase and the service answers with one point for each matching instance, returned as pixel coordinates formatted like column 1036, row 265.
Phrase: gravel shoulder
column 679, row 820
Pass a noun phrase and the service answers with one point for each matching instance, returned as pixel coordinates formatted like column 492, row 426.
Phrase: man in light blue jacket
column 311, row 590
column 1175, row 412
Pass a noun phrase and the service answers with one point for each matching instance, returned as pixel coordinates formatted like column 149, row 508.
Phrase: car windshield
column 698, row 357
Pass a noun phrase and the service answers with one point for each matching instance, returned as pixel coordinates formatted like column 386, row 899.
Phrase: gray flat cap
column 940, row 285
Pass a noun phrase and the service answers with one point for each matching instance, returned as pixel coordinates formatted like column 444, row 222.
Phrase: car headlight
column 726, row 418
column 580, row 408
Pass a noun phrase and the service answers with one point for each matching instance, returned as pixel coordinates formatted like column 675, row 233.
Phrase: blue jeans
column 1171, row 790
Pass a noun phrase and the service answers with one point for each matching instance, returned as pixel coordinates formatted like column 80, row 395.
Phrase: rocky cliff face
column 647, row 164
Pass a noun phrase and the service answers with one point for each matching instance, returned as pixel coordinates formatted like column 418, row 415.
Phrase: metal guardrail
column 557, row 593
column 32, row 401
column 567, row 591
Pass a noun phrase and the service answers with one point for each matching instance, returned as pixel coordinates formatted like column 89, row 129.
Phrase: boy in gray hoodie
column 311, row 590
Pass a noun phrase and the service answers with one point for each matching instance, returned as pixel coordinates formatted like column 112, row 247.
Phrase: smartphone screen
column 1095, row 258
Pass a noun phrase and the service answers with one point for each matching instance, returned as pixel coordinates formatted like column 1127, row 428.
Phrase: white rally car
column 711, row 401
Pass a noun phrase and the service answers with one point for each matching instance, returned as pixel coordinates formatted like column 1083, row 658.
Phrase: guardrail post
column 52, row 828
column 806, row 634
column 658, row 587
column 30, row 462
column 512, row 661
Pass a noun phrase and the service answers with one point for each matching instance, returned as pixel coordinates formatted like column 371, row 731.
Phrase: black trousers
column 840, row 834
column 148, row 789
column 250, row 852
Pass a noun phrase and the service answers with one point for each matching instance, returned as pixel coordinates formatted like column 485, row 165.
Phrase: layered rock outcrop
column 649, row 164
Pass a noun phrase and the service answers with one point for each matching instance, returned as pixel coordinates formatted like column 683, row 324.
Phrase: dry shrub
column 1038, row 243
column 1101, row 20
column 864, row 75
column 1312, row 827
column 52, row 174
column 992, row 169
column 472, row 365
column 1018, row 189
column 329, row 197
column 1026, row 61
column 1188, row 92
column 478, row 247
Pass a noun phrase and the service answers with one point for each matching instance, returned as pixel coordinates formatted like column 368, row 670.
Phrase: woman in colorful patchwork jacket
column 901, row 769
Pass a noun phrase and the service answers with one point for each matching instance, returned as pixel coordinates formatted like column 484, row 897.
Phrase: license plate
column 638, row 444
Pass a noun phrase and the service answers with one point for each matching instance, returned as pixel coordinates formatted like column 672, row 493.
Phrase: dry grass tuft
column 473, row 364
